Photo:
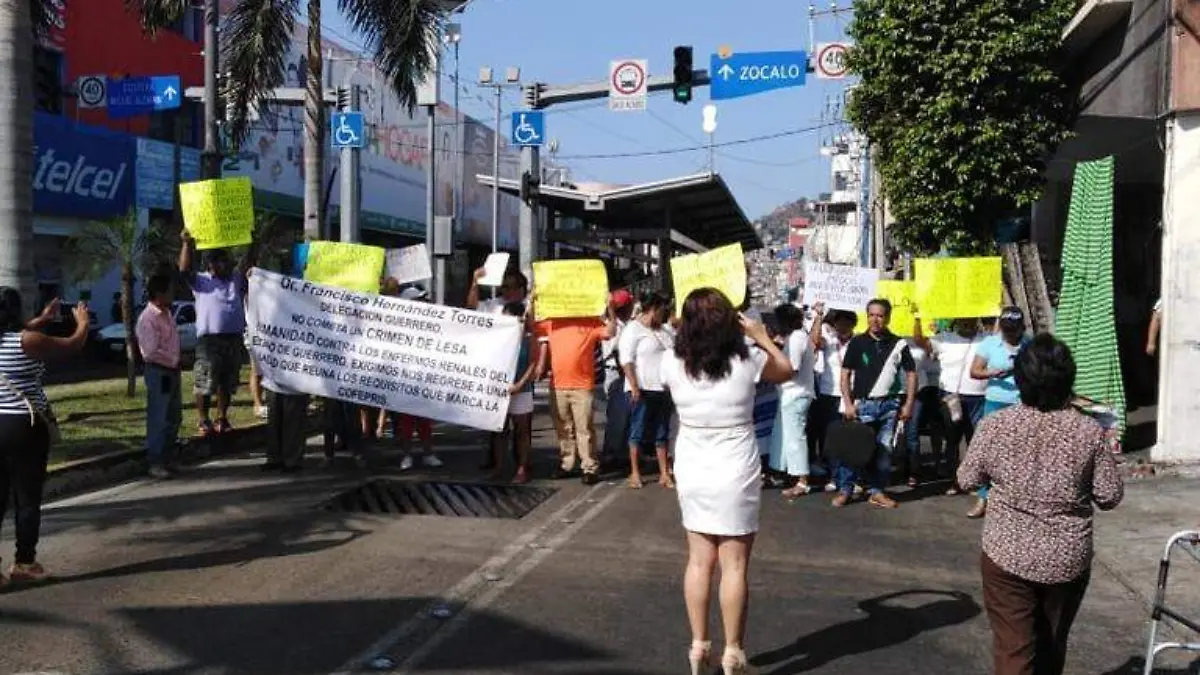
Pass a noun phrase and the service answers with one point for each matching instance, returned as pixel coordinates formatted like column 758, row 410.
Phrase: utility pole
column 351, row 178
column 512, row 79
column 211, row 159
column 427, row 96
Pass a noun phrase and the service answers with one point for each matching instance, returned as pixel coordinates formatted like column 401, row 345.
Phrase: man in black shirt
column 877, row 370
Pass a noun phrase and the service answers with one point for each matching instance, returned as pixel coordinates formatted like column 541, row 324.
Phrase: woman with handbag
column 27, row 425
column 962, row 396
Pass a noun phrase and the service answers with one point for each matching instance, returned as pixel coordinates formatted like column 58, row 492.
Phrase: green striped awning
column 1086, row 318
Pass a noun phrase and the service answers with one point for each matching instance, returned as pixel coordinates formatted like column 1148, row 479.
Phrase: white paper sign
column 431, row 361
column 839, row 286
column 408, row 264
column 494, row 267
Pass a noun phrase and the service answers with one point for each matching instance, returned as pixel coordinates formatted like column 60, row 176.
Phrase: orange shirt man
column 573, row 345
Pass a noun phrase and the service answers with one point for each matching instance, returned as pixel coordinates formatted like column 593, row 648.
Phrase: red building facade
column 102, row 37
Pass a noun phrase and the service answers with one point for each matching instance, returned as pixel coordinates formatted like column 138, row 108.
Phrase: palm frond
column 100, row 245
column 156, row 14
column 402, row 35
column 42, row 15
column 256, row 40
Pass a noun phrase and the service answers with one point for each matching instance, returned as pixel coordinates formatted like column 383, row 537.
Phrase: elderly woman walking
column 712, row 375
column 1049, row 467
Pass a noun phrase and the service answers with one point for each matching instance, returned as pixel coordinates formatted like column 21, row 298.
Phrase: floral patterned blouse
column 1047, row 470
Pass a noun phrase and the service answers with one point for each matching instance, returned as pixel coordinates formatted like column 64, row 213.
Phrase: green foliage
column 257, row 36
column 964, row 104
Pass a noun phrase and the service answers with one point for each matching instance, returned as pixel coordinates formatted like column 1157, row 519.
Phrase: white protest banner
column 494, row 268
column 408, row 264
column 431, row 361
column 839, row 286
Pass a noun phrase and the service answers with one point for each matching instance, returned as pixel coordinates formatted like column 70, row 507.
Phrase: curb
column 85, row 475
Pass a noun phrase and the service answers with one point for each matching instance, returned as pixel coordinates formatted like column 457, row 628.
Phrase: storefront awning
column 700, row 207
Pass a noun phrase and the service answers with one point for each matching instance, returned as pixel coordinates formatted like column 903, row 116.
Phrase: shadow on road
column 885, row 625
column 1137, row 665
column 308, row 638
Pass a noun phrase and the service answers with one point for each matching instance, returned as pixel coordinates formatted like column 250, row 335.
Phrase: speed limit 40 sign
column 831, row 60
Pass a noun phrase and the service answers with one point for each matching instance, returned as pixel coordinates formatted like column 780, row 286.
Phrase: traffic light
column 533, row 95
column 529, row 186
column 683, row 74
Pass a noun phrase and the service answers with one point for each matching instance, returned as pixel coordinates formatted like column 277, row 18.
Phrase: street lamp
column 512, row 80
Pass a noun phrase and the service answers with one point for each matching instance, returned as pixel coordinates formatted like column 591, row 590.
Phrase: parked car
column 112, row 338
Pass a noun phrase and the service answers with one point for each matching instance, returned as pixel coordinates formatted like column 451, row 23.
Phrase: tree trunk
column 16, row 151
column 314, row 128
column 129, row 320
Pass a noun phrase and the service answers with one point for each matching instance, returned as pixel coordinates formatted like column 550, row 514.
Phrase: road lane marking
column 478, row 590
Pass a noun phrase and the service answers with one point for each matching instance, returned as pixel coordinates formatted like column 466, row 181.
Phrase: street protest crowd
column 726, row 401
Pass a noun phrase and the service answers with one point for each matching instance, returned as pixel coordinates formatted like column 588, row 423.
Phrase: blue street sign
column 346, row 129
column 528, row 128
column 756, row 72
column 133, row 96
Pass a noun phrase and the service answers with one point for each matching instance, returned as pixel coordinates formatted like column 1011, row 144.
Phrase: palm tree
column 21, row 22
column 90, row 254
column 257, row 34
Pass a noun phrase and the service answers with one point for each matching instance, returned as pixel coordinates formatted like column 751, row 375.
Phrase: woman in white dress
column 712, row 374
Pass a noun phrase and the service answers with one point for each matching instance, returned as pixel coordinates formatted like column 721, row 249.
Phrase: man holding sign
column 220, row 322
column 573, row 342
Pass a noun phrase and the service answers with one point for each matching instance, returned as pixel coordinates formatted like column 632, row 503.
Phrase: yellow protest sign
column 218, row 213
column 951, row 288
column 902, row 296
column 566, row 289
column 354, row 267
column 722, row 268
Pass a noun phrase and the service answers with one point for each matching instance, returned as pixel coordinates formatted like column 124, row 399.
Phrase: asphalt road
column 231, row 571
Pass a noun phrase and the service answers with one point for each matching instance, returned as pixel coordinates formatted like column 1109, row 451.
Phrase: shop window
column 190, row 25
column 47, row 80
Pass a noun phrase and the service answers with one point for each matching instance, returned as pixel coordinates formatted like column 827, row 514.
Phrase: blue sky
column 568, row 41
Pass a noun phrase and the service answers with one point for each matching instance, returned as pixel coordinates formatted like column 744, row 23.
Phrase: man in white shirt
column 513, row 288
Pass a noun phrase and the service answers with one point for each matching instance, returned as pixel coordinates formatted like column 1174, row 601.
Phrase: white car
column 112, row 337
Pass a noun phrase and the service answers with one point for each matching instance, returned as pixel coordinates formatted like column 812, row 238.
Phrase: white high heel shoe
column 700, row 656
column 733, row 662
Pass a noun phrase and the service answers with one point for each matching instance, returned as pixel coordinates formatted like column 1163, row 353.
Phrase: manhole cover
column 437, row 498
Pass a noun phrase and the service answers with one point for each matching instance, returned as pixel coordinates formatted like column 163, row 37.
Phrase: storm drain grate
column 436, row 498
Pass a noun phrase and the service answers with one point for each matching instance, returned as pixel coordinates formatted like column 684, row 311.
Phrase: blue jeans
column 789, row 440
column 164, row 412
column 881, row 415
column 990, row 407
column 650, row 419
column 926, row 412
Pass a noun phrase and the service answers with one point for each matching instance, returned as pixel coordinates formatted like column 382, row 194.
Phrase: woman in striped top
column 24, row 436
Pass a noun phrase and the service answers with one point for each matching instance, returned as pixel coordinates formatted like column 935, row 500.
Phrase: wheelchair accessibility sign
column 528, row 128
column 346, row 130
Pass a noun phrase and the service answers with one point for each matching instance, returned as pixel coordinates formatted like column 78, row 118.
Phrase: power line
column 724, row 144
